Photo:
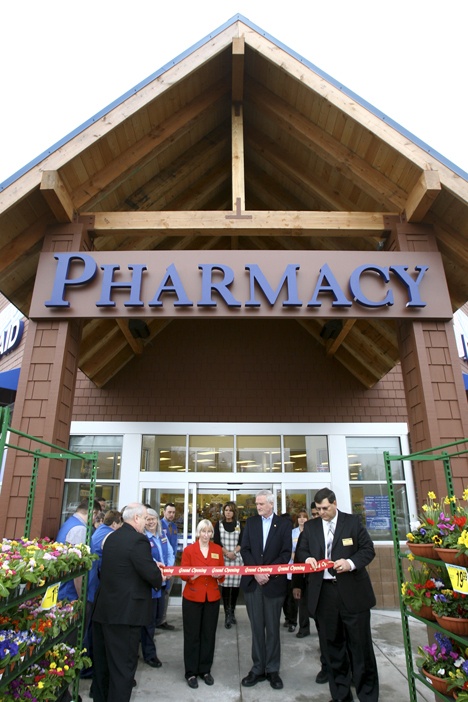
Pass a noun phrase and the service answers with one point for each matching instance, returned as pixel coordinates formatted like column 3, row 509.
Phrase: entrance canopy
column 237, row 144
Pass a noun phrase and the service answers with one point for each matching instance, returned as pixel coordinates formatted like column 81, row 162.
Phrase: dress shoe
column 154, row 662
column 275, row 681
column 208, row 679
column 291, row 627
column 302, row 634
column 322, row 677
column 192, row 681
column 252, row 679
column 166, row 626
column 286, row 623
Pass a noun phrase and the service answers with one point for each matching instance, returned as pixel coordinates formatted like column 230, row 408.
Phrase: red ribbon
column 279, row 569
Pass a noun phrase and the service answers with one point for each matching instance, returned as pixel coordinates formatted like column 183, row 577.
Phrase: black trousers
column 200, row 620
column 342, row 633
column 115, row 661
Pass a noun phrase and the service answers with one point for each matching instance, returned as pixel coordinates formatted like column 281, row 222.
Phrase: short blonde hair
column 204, row 524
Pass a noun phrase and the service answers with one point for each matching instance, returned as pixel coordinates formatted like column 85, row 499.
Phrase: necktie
column 330, row 535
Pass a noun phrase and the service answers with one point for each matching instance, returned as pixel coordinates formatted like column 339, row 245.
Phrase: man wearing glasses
column 341, row 598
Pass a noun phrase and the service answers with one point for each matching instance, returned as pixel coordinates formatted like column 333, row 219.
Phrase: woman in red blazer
column 200, row 605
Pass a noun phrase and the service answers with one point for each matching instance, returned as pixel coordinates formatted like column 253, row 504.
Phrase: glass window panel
column 165, row 454
column 109, row 452
column 210, row 506
column 306, row 454
column 74, row 493
column 372, row 503
column 296, row 501
column 365, row 457
column 211, row 454
column 258, row 454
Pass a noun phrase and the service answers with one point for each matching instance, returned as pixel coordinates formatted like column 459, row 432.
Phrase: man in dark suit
column 266, row 540
column 341, row 598
column 122, row 606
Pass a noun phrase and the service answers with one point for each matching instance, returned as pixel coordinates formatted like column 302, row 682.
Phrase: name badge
column 347, row 542
column 215, row 555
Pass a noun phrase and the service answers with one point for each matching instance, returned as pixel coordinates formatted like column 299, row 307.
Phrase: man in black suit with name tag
column 341, row 598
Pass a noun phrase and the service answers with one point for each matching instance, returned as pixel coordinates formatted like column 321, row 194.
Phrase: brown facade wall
column 238, row 371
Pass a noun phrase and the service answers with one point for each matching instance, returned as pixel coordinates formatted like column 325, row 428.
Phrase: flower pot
column 425, row 612
column 423, row 550
column 439, row 684
column 452, row 556
column 453, row 624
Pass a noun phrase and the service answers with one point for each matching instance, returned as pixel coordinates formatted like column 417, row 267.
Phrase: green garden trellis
column 51, row 451
column 442, row 453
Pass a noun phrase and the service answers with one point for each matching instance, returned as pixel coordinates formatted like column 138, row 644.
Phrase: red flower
column 430, row 521
column 460, row 521
column 429, row 585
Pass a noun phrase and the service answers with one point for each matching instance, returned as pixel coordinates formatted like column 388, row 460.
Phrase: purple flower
column 444, row 642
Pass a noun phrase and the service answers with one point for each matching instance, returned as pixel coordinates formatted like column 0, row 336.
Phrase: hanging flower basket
column 423, row 550
column 454, row 624
column 452, row 556
column 439, row 684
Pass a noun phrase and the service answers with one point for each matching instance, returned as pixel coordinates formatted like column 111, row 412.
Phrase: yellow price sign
column 459, row 578
column 50, row 596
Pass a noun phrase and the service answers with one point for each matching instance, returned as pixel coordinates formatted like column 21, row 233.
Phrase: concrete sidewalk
column 300, row 664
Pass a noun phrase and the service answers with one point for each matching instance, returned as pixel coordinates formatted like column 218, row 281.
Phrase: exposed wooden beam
column 57, row 196
column 135, row 344
column 138, row 155
column 383, row 190
column 332, row 345
column 238, row 54
column 11, row 252
column 422, row 196
column 238, row 171
column 264, row 223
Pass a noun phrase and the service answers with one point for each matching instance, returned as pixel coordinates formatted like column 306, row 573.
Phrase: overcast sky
column 63, row 61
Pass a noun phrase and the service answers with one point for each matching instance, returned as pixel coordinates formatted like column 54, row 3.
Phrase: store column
column 435, row 394
column 43, row 408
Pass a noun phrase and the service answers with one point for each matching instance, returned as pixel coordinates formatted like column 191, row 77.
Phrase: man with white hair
column 122, row 606
column 266, row 541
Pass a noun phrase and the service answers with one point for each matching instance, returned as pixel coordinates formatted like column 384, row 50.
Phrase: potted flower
column 439, row 660
column 422, row 538
column 458, row 684
column 451, row 527
column 451, row 611
column 417, row 593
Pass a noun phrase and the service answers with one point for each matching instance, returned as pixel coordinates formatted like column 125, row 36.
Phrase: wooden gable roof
column 238, row 121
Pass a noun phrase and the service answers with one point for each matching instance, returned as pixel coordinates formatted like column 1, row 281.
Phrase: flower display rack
column 28, row 590
column 442, row 453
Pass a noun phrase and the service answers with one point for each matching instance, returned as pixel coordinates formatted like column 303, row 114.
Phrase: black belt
column 330, row 580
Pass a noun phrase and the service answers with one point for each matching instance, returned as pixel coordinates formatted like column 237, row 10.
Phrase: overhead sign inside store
column 347, row 284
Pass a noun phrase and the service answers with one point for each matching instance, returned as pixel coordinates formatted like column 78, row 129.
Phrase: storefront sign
column 226, row 283
column 11, row 335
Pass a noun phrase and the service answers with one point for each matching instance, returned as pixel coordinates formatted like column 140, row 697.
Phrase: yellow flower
column 410, row 537
column 410, row 557
column 40, row 684
column 431, row 495
column 59, row 670
column 53, row 665
column 465, row 495
column 446, row 501
column 403, row 588
column 66, row 667
column 436, row 539
column 425, row 508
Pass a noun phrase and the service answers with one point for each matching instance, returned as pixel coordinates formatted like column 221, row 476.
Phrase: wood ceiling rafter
column 330, row 150
column 91, row 193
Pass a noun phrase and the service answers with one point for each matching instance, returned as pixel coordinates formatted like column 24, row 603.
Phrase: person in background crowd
column 266, row 541
column 297, row 604
column 200, row 606
column 122, row 606
column 73, row 531
column 169, row 529
column 161, row 551
column 228, row 535
column 341, row 597
column 103, row 504
column 98, row 520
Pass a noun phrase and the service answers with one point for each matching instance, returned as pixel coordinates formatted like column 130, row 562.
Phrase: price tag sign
column 459, row 578
column 50, row 596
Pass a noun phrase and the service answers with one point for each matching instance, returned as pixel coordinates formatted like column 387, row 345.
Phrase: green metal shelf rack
column 52, row 451
column 442, row 453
